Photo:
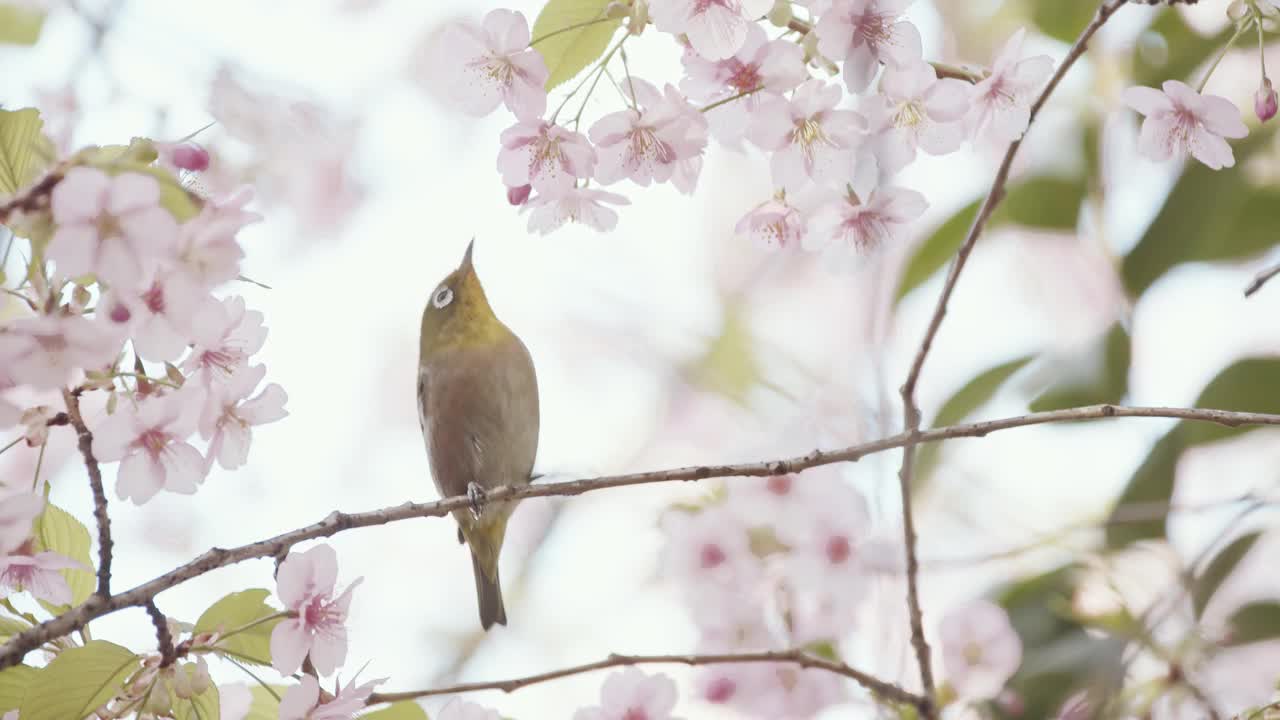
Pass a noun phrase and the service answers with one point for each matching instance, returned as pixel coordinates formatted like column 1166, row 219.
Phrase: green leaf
column 1046, row 202
column 567, row 53
column 205, row 706
column 1170, row 49
column 19, row 138
column 59, row 531
column 972, row 396
column 20, row 25
column 14, row 682
column 1250, row 623
column 1219, row 569
column 407, row 710
column 1103, row 378
column 729, row 366
column 1251, row 385
column 1062, row 20
column 1208, row 216
column 1141, row 511
column 238, row 610
column 78, row 681
column 264, row 705
column 10, row 626
column 823, row 649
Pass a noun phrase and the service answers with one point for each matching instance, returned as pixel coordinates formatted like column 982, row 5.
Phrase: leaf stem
column 570, row 28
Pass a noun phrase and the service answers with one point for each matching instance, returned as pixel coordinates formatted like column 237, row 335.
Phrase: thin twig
column 911, row 412
column 1261, row 279
column 96, row 606
column 164, row 640
column 99, row 494
column 884, row 690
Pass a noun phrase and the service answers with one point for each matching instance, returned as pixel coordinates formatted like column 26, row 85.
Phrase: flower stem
column 568, row 28
column 259, row 621
column 1244, row 25
column 730, row 99
column 596, row 73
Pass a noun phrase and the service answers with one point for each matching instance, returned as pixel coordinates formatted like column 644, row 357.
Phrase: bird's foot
column 477, row 496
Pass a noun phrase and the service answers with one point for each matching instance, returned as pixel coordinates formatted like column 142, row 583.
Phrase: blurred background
column 670, row 341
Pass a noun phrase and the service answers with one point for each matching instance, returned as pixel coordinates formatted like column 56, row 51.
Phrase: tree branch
column 1261, row 279
column 164, row 639
column 99, row 494
column 12, row 652
column 911, row 412
column 884, row 690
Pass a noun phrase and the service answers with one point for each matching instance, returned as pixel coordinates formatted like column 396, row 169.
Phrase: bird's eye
column 443, row 297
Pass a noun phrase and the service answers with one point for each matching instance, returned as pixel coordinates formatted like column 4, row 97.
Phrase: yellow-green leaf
column 239, row 610
column 729, row 366
column 567, row 53
column 19, row 138
column 1255, row 622
column 78, row 681
column 10, row 626
column 59, row 531
column 265, row 706
column 407, row 710
column 14, row 682
column 1250, row 385
column 1142, row 508
column 20, row 25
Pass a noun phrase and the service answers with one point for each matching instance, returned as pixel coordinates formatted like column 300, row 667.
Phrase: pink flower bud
column 186, row 156
column 518, row 195
column 1264, row 101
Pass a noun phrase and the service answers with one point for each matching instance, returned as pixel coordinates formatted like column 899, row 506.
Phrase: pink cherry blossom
column 914, row 109
column 37, row 573
column 463, row 710
column 866, row 33
column 113, row 227
column 780, row 499
column 760, row 64
column 18, row 511
column 809, row 138
column 772, row 225
column 149, row 437
column 980, row 649
column 305, row 584
column 1181, row 120
column 1000, row 107
column 494, row 64
column 230, row 413
column 44, row 351
column 648, row 145
column 302, row 701
column 580, row 205
column 225, row 334
column 849, row 229
column 519, row 195
column 545, row 155
column 158, row 317
column 716, row 28
column 207, row 247
column 633, row 694
column 766, row 690
column 708, row 548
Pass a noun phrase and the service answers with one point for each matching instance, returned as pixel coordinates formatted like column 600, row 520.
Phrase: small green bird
column 478, row 407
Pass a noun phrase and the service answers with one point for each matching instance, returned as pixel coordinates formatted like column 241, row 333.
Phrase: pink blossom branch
column 911, row 411
column 883, row 690
column 1261, row 279
column 85, row 440
column 12, row 652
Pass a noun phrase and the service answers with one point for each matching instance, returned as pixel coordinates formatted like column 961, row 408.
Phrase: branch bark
column 85, row 441
column 911, row 411
column 12, row 652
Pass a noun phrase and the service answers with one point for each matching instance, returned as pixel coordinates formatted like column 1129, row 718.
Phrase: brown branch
column 1261, row 279
column 883, row 690
column 96, row 606
column 164, row 639
column 105, row 544
column 911, row 412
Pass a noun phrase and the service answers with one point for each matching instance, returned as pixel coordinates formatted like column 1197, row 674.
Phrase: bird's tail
column 488, row 594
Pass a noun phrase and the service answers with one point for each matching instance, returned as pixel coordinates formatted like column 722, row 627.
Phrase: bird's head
column 457, row 314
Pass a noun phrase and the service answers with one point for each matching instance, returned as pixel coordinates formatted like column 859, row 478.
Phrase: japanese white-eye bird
column 478, row 407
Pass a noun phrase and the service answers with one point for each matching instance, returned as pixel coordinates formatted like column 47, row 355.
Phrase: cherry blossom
column 774, row 66
column 809, row 138
column 648, row 145
column 633, row 695
column 224, row 335
column 302, row 701
column 866, row 33
column 544, row 155
column 230, row 413
column 580, row 205
column 463, row 710
column 716, row 28
column 112, row 227
column 710, row 547
column 149, row 437
column 158, row 317
column 35, row 420
column 914, row 109
column 494, row 64
column 1001, row 103
column 305, row 584
column 207, row 248
column 45, row 350
column 38, row 573
column 18, row 511
column 1181, row 120
column 980, row 649
column 768, row 690
column 849, row 229
column 773, row 224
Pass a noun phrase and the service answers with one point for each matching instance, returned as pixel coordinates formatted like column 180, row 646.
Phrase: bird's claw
column 476, row 495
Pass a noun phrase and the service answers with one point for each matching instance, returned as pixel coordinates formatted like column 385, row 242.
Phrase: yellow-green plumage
column 478, row 406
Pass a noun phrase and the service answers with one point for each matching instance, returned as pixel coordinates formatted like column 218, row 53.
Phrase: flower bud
column 519, row 195
column 186, row 156
column 1237, row 10
column 1264, row 101
column 639, row 16
column 781, row 13
column 200, row 680
column 182, row 682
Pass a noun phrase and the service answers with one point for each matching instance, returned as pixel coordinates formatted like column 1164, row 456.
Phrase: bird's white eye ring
column 443, row 297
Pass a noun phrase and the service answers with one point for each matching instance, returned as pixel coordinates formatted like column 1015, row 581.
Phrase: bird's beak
column 466, row 258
